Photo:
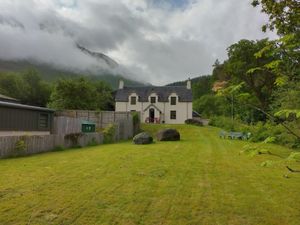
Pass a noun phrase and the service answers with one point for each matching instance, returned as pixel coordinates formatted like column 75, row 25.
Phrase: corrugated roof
column 21, row 106
column 184, row 94
column 4, row 97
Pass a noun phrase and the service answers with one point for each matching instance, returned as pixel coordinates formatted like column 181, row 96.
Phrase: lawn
column 199, row 180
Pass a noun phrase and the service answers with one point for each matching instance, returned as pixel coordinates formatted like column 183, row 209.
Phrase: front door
column 151, row 115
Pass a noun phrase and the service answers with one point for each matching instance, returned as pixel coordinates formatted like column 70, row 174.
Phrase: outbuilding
column 20, row 119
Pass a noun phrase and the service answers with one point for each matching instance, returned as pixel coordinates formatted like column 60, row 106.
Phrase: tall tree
column 36, row 91
column 80, row 93
column 284, row 15
column 244, row 67
column 28, row 87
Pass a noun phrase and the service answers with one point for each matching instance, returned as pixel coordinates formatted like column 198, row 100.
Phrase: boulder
column 196, row 122
column 168, row 135
column 142, row 138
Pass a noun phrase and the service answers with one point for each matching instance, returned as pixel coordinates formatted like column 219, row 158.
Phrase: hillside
column 201, row 85
column 50, row 73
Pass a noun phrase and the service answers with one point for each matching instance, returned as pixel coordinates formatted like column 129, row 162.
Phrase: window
column 173, row 100
column 44, row 120
column 152, row 99
column 173, row 115
column 133, row 100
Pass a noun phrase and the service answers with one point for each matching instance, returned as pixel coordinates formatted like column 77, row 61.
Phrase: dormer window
column 133, row 100
column 173, row 100
column 152, row 99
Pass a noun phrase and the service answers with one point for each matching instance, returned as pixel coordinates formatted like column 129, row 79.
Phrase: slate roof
column 184, row 94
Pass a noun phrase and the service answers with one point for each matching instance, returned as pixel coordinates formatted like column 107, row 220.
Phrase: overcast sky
column 157, row 41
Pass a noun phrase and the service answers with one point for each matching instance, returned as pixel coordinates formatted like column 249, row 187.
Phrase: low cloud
column 152, row 42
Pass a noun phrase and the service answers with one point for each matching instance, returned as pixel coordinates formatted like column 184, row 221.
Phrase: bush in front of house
column 194, row 122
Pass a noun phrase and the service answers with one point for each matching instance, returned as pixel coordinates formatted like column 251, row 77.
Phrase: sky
column 155, row 41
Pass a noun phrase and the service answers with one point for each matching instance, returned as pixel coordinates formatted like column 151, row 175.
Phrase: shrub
column 74, row 138
column 194, row 122
column 136, row 122
column 58, row 148
column 109, row 134
column 225, row 123
column 260, row 131
column 294, row 156
column 92, row 142
column 20, row 147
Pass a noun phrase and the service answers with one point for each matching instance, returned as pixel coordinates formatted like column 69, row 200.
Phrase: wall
column 17, row 119
column 184, row 110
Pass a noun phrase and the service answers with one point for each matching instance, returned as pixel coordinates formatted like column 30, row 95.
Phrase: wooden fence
column 66, row 124
column 27, row 145
column 101, row 118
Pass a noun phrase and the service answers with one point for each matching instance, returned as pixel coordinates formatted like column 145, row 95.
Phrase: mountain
column 50, row 73
column 193, row 80
column 201, row 85
column 99, row 56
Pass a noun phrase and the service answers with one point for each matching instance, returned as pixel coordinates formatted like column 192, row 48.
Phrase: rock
column 194, row 122
column 142, row 138
column 168, row 135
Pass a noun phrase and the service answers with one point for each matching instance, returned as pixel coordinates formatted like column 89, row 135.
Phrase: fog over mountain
column 148, row 40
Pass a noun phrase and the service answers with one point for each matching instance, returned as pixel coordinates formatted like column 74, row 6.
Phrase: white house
column 168, row 104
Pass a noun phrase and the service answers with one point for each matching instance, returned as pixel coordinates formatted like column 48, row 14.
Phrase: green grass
column 199, row 180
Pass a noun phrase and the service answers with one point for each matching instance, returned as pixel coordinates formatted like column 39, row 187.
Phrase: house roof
column 21, row 106
column 184, row 94
column 7, row 98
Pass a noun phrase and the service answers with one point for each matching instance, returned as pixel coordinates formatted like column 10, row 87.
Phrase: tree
column 11, row 85
column 201, row 86
column 243, row 66
column 36, row 91
column 104, row 96
column 284, row 15
column 219, row 73
column 211, row 105
column 80, row 93
column 27, row 87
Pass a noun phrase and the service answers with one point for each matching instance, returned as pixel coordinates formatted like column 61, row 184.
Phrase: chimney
column 189, row 84
column 121, row 84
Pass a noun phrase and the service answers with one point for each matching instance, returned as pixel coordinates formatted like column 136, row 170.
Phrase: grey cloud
column 152, row 42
